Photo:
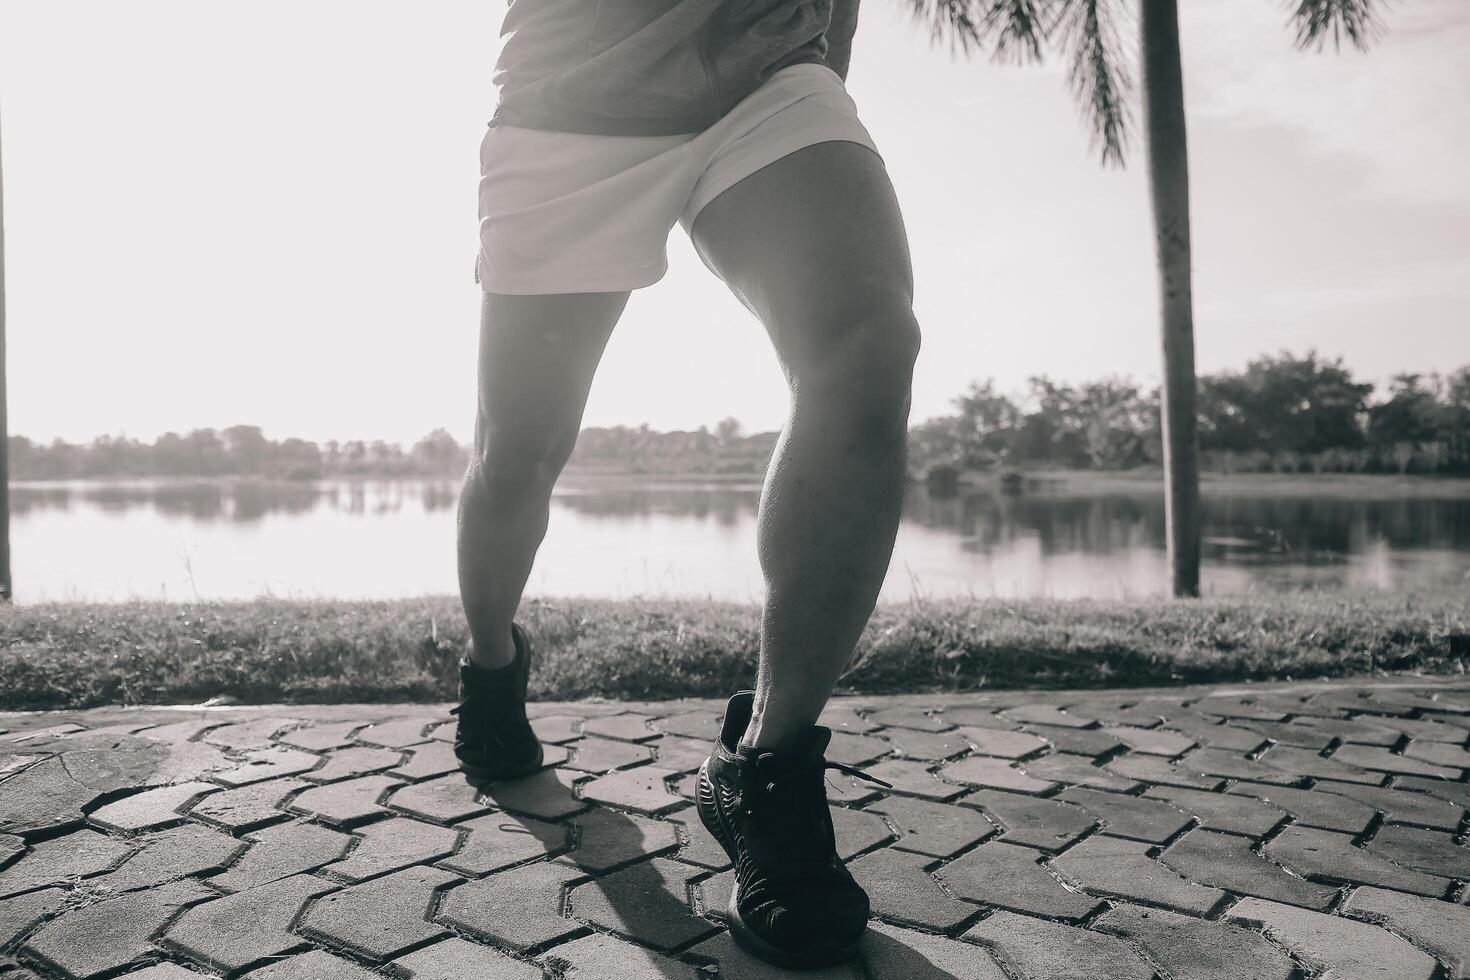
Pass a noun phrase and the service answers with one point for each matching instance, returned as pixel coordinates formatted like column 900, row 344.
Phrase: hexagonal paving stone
column 608, row 838
column 915, row 718
column 857, row 750
column 598, row 956
column 629, row 727
column 1035, row 949
column 900, row 889
column 642, row 789
column 346, row 803
column 62, row 860
column 1077, row 741
column 1440, row 927
column 557, row 728
column 1197, row 948
column 282, row 851
column 1153, row 769
column 736, row 964
column 388, row 845
column 42, row 796
column 315, row 965
column 1220, row 811
column 699, row 847
column 1311, row 807
column 179, row 852
column 232, row 932
column 382, row 917
column 1228, row 861
column 1430, row 851
column 993, row 774
column 600, row 755
column 519, row 908
column 1215, row 734
column 1457, row 793
column 1047, row 714
column 247, row 807
column 19, row 913
column 263, row 764
column 1340, row 947
column 890, row 951
column 1303, row 762
column 1398, row 805
column 355, row 761
column 914, row 779
column 446, row 799
column 977, row 716
column 427, row 760
column 929, row 746
column 257, row 733
column 840, row 716
column 678, row 754
column 1151, row 741
column 499, row 840
column 1373, row 757
column 1047, row 824
column 933, row 828
column 149, row 809
column 1075, row 770
column 546, row 794
column 999, row 742
column 1217, row 762
column 397, row 733
column 454, row 959
column 319, row 737
column 1332, row 857
column 858, row 830
column 98, row 938
column 1011, row 877
column 1129, row 816
column 647, row 901
column 1122, row 868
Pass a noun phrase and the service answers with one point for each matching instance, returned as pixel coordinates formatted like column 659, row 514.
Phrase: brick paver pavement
column 1283, row 831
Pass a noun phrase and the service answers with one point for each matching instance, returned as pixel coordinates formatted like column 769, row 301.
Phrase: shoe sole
column 745, row 937
column 498, row 775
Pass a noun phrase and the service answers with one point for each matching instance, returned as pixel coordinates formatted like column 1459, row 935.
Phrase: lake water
column 355, row 539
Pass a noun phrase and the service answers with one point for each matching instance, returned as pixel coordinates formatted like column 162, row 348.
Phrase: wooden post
column 1168, row 171
column 5, row 588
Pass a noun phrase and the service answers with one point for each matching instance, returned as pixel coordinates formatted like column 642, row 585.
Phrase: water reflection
column 621, row 537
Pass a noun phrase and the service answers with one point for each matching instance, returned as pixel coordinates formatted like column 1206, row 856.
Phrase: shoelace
column 797, row 848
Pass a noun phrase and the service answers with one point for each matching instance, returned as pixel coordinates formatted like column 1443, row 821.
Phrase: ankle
column 493, row 655
column 772, row 729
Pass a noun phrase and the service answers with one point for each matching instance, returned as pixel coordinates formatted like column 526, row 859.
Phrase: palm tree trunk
column 5, row 591
column 1168, row 171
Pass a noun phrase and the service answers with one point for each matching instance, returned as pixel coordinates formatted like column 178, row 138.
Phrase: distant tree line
column 1281, row 414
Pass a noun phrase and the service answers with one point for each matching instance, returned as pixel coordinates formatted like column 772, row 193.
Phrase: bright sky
column 264, row 212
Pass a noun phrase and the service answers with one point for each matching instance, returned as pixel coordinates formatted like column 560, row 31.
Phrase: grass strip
column 68, row 655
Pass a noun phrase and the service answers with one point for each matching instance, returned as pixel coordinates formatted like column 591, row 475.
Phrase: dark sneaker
column 493, row 739
column 794, row 903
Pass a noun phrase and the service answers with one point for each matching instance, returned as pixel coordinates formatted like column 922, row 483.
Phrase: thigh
column 538, row 355
column 811, row 244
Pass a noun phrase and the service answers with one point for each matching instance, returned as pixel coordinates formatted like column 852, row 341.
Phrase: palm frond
column 1101, row 72
column 1356, row 20
column 956, row 20
column 1017, row 28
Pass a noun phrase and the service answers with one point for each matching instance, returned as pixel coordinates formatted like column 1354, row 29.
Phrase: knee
column 520, row 459
column 868, row 364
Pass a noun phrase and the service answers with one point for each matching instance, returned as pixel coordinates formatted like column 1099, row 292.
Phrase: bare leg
column 537, row 358
column 814, row 245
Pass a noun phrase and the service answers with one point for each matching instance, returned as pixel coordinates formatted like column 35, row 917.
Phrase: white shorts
column 581, row 213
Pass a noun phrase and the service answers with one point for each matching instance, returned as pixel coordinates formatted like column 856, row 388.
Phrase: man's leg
column 814, row 245
column 537, row 358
